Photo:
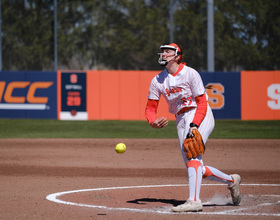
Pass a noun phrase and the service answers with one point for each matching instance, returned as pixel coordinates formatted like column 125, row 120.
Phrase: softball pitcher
column 183, row 89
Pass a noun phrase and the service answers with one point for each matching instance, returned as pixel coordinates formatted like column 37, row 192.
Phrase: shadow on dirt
column 173, row 202
column 144, row 201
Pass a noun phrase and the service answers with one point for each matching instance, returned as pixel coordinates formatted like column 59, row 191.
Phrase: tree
column 190, row 32
column 247, row 35
column 126, row 34
column 113, row 34
column 27, row 35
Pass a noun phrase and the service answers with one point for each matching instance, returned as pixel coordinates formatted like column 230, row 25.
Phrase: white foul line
column 54, row 198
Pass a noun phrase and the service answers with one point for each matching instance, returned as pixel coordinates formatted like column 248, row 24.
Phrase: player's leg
column 211, row 173
column 214, row 174
column 233, row 181
column 195, row 179
column 194, row 166
column 193, row 203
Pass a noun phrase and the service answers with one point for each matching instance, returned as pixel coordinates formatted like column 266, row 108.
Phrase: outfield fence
column 122, row 95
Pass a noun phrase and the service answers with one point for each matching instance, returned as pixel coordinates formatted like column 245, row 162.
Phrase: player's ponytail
column 209, row 86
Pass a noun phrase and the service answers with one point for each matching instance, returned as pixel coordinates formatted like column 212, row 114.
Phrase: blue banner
column 225, row 95
column 31, row 94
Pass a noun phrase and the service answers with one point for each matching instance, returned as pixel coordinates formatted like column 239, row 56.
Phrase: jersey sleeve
column 151, row 110
column 154, row 93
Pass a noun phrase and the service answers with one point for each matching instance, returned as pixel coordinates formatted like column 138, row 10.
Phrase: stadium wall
column 122, row 95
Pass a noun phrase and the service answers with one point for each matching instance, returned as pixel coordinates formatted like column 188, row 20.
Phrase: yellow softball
column 120, row 148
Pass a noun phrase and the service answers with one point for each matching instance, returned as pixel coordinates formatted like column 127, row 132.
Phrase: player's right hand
column 160, row 123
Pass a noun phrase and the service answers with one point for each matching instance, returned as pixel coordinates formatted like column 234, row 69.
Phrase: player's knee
column 206, row 172
column 193, row 163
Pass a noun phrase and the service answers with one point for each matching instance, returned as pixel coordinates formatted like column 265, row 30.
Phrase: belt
column 183, row 110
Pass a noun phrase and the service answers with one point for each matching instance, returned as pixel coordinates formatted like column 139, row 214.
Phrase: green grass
column 33, row 128
column 246, row 129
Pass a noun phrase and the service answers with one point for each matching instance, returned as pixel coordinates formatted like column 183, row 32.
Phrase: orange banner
column 120, row 95
column 260, row 95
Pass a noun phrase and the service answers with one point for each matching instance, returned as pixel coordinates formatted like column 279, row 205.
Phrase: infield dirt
column 31, row 169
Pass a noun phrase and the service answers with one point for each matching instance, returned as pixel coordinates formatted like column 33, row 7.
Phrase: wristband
column 193, row 125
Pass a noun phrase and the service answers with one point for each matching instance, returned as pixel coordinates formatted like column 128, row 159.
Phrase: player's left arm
column 198, row 91
column 150, row 114
column 201, row 111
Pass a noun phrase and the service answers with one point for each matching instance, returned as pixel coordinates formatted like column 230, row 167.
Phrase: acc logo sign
column 216, row 96
column 30, row 97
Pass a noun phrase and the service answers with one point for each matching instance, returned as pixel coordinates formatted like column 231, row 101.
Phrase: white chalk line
column 54, row 198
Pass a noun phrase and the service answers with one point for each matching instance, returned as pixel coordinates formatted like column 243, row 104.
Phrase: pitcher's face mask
column 162, row 61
